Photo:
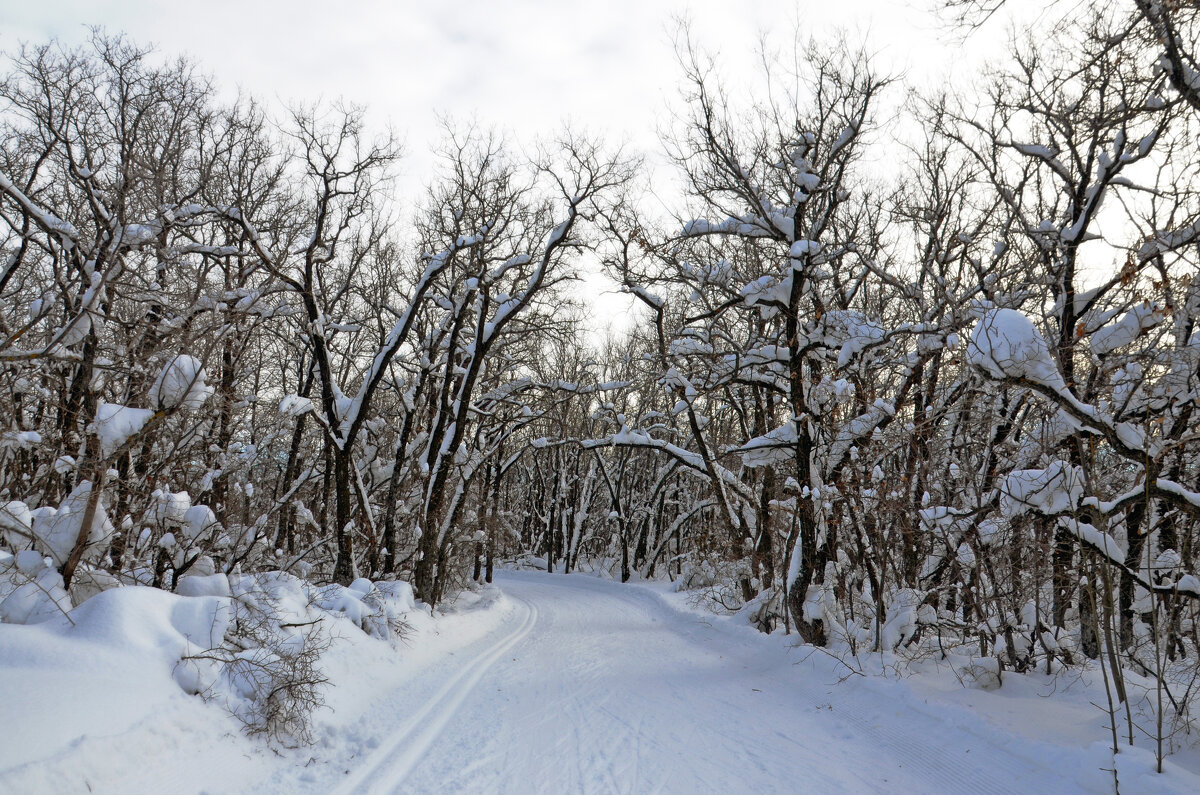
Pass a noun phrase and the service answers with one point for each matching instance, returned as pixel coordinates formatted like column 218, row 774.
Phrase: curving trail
column 596, row 687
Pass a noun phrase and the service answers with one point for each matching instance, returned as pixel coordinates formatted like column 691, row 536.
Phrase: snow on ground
column 95, row 706
column 1043, row 733
column 548, row 683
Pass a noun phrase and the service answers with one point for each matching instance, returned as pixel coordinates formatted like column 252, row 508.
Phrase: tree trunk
column 344, row 569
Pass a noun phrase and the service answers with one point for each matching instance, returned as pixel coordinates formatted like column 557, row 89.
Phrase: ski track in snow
column 405, row 746
column 606, row 688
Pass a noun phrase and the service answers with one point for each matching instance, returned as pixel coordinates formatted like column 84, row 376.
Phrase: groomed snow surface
column 545, row 683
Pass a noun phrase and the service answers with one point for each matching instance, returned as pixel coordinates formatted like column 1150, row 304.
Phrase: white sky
column 525, row 66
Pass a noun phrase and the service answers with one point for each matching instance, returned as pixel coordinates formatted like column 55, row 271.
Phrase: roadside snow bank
column 103, row 698
column 71, row 684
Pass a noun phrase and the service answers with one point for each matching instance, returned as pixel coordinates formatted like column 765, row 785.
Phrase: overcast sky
column 526, row 66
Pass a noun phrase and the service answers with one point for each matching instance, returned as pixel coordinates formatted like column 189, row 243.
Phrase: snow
column 294, row 406
column 902, row 622
column 769, row 293
column 197, row 520
column 48, row 220
column 116, row 424
column 1171, row 487
column 24, row 440
column 169, row 508
column 645, row 295
column 103, row 704
column 75, row 331
column 181, row 384
column 56, row 530
column 31, row 591
column 1095, row 538
column 571, row 682
column 134, row 235
column 78, row 687
column 1006, row 344
column 1046, row 155
column 858, row 332
column 804, row 248
column 439, row 391
column 1054, row 489
column 689, row 346
column 775, row 446
column 1132, row 324
column 16, row 523
column 1169, row 240
column 203, row 585
column 1188, row 583
column 677, row 383
column 706, row 705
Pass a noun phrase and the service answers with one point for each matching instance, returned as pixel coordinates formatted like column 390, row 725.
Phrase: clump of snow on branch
column 1054, row 489
column 31, row 591
column 116, row 424
column 1132, row 325
column 181, row 384
column 56, row 529
column 1006, row 344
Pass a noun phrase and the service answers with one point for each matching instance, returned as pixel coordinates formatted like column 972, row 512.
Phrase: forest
column 910, row 372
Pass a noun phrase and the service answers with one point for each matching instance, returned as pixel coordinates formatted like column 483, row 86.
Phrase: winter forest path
column 597, row 687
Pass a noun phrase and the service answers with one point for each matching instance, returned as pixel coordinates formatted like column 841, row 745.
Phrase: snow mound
column 151, row 621
column 377, row 610
column 203, row 585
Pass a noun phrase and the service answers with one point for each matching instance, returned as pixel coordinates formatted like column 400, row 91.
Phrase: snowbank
column 138, row 689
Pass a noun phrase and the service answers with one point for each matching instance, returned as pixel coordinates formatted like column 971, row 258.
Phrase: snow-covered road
column 590, row 686
column 549, row 684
